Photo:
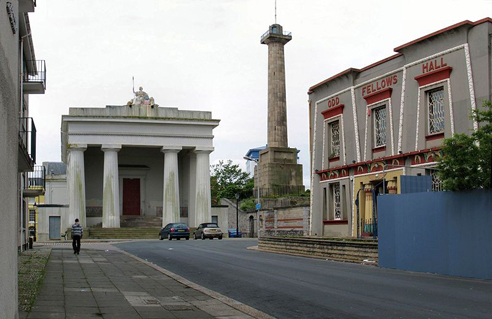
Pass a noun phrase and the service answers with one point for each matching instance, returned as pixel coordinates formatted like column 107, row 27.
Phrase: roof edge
column 433, row 34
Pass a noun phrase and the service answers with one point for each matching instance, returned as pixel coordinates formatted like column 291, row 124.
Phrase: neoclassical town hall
column 372, row 127
column 137, row 159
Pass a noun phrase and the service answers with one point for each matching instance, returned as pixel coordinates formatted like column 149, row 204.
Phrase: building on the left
column 20, row 76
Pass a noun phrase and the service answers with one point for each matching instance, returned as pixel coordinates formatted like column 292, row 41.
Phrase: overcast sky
column 206, row 55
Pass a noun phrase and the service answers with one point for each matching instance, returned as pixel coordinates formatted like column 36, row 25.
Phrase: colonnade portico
column 140, row 162
column 199, row 188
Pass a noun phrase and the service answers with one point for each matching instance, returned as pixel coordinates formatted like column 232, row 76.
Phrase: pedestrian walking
column 77, row 233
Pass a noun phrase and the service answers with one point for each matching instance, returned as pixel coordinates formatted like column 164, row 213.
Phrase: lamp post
column 258, row 205
column 237, row 215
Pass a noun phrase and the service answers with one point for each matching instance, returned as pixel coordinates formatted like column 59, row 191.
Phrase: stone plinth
column 278, row 173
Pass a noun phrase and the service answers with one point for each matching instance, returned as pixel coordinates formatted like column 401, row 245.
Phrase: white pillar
column 203, row 209
column 76, row 184
column 170, row 204
column 111, row 191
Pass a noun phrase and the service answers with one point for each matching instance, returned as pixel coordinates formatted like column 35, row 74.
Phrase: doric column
column 170, row 205
column 203, row 204
column 76, row 184
column 111, row 191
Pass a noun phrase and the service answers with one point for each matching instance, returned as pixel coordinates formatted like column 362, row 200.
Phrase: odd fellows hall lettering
column 384, row 83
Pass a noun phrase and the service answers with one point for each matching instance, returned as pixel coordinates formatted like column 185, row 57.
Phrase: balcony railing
column 36, row 182
column 35, row 77
column 27, row 138
column 268, row 32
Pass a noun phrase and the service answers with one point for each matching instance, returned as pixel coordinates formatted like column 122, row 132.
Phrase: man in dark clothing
column 77, row 232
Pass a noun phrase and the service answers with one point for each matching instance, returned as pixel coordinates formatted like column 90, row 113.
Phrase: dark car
column 175, row 230
column 208, row 230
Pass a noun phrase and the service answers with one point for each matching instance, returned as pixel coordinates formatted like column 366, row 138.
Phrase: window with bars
column 435, row 102
column 380, row 126
column 337, row 207
column 32, row 216
column 335, row 139
column 436, row 182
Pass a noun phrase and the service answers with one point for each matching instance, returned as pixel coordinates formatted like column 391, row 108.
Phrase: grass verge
column 32, row 264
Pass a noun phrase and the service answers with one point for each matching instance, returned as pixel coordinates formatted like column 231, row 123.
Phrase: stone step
column 124, row 233
column 349, row 250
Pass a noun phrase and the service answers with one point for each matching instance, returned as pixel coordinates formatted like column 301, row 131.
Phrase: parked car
column 208, row 230
column 232, row 233
column 175, row 230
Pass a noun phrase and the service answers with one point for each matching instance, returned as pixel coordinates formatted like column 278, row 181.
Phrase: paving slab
column 105, row 282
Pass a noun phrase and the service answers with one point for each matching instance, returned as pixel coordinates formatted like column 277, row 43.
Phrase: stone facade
column 17, row 67
column 138, row 160
column 370, row 126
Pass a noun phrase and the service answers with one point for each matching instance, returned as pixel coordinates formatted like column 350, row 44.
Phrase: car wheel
column 187, row 238
column 220, row 237
column 160, row 237
column 169, row 237
column 203, row 236
column 179, row 238
column 194, row 236
column 211, row 238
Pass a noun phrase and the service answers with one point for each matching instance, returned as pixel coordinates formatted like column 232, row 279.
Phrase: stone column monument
column 277, row 172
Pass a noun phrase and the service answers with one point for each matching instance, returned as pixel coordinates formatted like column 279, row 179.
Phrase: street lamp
column 237, row 215
column 258, row 206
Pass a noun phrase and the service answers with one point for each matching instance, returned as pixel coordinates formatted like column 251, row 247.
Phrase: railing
column 36, row 178
column 285, row 33
column 27, row 137
column 38, row 72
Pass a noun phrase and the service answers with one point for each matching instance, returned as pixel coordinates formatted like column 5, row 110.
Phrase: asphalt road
column 295, row 287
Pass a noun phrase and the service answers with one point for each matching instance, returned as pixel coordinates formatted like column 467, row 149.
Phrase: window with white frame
column 435, row 103
column 337, row 207
column 335, row 139
column 380, row 126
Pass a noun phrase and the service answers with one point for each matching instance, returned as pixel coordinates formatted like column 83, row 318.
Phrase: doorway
column 54, row 227
column 131, row 196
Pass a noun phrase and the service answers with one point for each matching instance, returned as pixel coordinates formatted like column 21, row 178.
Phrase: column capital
column 171, row 149
column 79, row 147
column 203, row 150
column 111, row 147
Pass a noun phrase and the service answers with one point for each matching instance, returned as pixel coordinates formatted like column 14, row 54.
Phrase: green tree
column 467, row 159
column 227, row 180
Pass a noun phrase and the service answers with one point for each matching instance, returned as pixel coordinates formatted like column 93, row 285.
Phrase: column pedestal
column 111, row 191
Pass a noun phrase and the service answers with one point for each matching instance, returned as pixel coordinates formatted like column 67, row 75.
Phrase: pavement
column 106, row 282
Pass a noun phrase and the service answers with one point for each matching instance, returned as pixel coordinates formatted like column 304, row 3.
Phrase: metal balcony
column 34, row 77
column 27, row 144
column 36, row 182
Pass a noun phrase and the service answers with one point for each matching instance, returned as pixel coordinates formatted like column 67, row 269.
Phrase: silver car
column 208, row 230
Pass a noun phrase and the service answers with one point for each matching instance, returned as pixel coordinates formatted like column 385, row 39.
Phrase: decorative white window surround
column 389, row 107
column 326, row 131
column 450, row 104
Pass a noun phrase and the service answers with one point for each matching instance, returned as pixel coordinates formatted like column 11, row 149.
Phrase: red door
column 131, row 196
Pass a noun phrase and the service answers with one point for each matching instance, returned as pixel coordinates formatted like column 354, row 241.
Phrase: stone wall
column 285, row 221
